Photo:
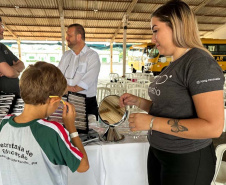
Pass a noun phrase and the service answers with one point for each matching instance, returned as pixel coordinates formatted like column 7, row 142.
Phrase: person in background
column 186, row 108
column 10, row 68
column 33, row 150
column 81, row 67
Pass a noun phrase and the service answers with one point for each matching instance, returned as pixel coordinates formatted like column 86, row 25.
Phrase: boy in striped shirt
column 33, row 150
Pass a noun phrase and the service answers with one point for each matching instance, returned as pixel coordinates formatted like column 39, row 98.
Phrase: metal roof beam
column 96, row 27
column 87, row 37
column 106, row 10
column 128, row 12
column 202, row 4
column 93, row 18
column 9, row 30
column 95, row 33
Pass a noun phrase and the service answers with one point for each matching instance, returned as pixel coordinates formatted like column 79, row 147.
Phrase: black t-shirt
column 8, row 85
column 193, row 73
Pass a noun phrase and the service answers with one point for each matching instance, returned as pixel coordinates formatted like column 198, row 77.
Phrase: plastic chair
column 129, row 76
column 220, row 171
column 117, row 91
column 116, row 88
column 140, row 76
column 146, row 85
column 114, row 85
column 123, row 82
column 143, row 82
column 114, row 77
column 140, row 92
column 152, row 78
column 130, row 85
column 102, row 92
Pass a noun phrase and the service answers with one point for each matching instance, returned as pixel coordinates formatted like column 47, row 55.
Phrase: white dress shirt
column 81, row 70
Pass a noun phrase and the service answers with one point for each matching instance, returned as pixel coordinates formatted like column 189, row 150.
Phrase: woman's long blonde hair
column 181, row 19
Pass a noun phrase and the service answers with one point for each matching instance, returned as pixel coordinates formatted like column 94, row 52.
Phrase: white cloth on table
column 115, row 164
column 96, row 173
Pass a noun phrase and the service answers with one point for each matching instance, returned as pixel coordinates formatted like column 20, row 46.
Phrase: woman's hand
column 128, row 99
column 139, row 121
column 68, row 116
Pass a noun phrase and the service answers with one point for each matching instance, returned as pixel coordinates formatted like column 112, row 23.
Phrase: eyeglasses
column 67, row 76
column 2, row 25
column 58, row 97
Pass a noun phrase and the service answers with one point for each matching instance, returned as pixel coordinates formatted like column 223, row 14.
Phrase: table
column 121, row 163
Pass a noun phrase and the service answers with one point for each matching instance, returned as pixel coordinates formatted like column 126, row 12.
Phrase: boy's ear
column 54, row 100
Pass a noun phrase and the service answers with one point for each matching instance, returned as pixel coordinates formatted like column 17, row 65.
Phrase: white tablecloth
column 122, row 163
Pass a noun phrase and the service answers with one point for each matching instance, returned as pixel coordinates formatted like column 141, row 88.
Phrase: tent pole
column 125, row 21
column 111, row 53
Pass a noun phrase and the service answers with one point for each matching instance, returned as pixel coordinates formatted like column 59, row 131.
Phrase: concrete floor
column 220, row 140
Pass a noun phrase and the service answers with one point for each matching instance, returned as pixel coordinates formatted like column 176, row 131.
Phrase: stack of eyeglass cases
column 18, row 107
column 78, row 101
column 10, row 104
column 6, row 102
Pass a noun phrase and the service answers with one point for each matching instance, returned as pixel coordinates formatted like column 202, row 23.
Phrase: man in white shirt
column 81, row 67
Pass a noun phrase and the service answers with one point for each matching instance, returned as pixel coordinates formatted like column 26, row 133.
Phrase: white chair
column 140, row 76
column 117, row 91
column 129, row 76
column 102, row 92
column 146, row 85
column 140, row 92
column 113, row 85
column 143, row 82
column 116, row 88
column 152, row 78
column 148, row 76
column 114, row 77
column 123, row 82
column 130, row 85
column 220, row 171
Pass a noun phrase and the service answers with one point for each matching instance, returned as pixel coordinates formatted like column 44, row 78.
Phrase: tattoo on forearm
column 175, row 127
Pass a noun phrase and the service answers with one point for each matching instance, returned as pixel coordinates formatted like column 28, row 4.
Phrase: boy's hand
column 68, row 116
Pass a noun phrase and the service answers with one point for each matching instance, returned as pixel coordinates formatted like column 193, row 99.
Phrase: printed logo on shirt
column 207, row 80
column 16, row 153
column 160, row 80
column 6, row 52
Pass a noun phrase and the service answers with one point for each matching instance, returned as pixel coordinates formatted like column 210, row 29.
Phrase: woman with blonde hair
column 186, row 108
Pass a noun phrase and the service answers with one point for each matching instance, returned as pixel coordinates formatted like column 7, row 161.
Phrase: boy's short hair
column 39, row 81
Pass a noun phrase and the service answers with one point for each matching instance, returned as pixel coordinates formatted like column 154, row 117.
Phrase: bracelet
column 151, row 124
column 74, row 134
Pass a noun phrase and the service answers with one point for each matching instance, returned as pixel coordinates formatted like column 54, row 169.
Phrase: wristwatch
column 74, row 134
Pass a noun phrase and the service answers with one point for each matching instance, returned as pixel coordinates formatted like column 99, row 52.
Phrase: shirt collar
column 84, row 49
